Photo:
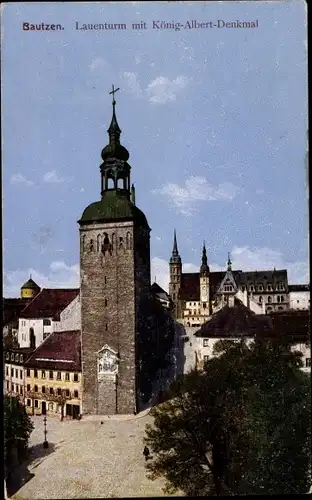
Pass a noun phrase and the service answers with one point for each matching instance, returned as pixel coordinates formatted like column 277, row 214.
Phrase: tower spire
column 204, row 268
column 114, row 131
column 229, row 263
column 175, row 257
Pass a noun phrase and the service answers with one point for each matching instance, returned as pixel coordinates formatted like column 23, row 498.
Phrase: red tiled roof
column 59, row 351
column 190, row 289
column 12, row 308
column 50, row 302
column 236, row 321
column 291, row 325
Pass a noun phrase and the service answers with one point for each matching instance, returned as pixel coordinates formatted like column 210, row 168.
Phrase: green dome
column 30, row 284
column 115, row 206
column 115, row 151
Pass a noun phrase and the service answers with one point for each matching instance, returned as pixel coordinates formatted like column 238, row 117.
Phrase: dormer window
column 16, row 357
column 269, row 287
column 12, row 357
column 280, row 286
column 252, row 288
column 260, row 287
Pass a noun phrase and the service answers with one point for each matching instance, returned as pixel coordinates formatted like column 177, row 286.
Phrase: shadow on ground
column 20, row 475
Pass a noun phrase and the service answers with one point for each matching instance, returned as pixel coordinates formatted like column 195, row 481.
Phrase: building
column 126, row 333
column 236, row 321
column 232, row 322
column 12, row 308
column 14, row 374
column 196, row 296
column 53, row 376
column 42, row 315
column 299, row 297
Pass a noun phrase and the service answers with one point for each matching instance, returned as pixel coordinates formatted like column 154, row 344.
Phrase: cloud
column 59, row 275
column 162, row 90
column 197, row 189
column 20, row 179
column 52, row 177
column 159, row 91
column 132, row 82
column 97, row 63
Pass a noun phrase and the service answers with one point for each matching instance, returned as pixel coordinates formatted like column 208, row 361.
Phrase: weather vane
column 113, row 92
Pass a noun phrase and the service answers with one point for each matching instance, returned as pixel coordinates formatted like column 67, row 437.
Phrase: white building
column 299, row 297
column 42, row 315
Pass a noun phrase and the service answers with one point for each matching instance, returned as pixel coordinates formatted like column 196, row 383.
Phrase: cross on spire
column 113, row 91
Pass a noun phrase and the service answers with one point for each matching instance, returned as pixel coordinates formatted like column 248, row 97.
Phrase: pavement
column 87, row 459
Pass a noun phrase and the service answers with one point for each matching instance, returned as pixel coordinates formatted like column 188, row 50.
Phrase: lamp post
column 45, row 443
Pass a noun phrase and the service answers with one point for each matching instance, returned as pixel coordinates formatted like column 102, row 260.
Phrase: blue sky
column 215, row 120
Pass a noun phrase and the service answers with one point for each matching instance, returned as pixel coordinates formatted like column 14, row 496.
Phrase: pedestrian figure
column 146, row 452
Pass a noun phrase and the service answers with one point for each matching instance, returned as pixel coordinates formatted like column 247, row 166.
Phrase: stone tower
column 175, row 266
column 115, row 279
column 204, row 284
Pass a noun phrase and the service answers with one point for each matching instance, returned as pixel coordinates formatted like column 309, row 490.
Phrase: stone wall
column 108, row 315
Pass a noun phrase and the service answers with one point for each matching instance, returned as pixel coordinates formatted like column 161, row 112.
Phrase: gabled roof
column 190, row 284
column 293, row 326
column 12, row 308
column 159, row 292
column 49, row 303
column 59, row 351
column 237, row 321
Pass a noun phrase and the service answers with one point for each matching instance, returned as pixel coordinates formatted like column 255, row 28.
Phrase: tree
column 230, row 428
column 17, row 429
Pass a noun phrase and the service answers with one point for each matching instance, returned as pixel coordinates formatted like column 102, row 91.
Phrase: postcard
column 155, row 214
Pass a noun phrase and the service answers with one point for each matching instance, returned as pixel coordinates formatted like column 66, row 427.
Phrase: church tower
column 115, row 279
column 175, row 267
column 204, row 285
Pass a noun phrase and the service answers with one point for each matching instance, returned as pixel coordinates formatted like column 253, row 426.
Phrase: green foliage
column 240, row 427
column 17, row 426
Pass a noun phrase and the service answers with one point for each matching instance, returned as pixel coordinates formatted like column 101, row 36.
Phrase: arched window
column 128, row 241
column 252, row 288
column 269, row 299
column 269, row 309
column 98, row 242
column 269, row 287
column 243, row 288
column 83, row 242
column 260, row 299
column 280, row 286
column 278, row 298
column 120, row 183
column 16, row 357
column 260, row 287
column 32, row 339
column 282, row 298
column 91, row 246
column 110, row 183
column 21, row 358
column 280, row 308
column 7, row 356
